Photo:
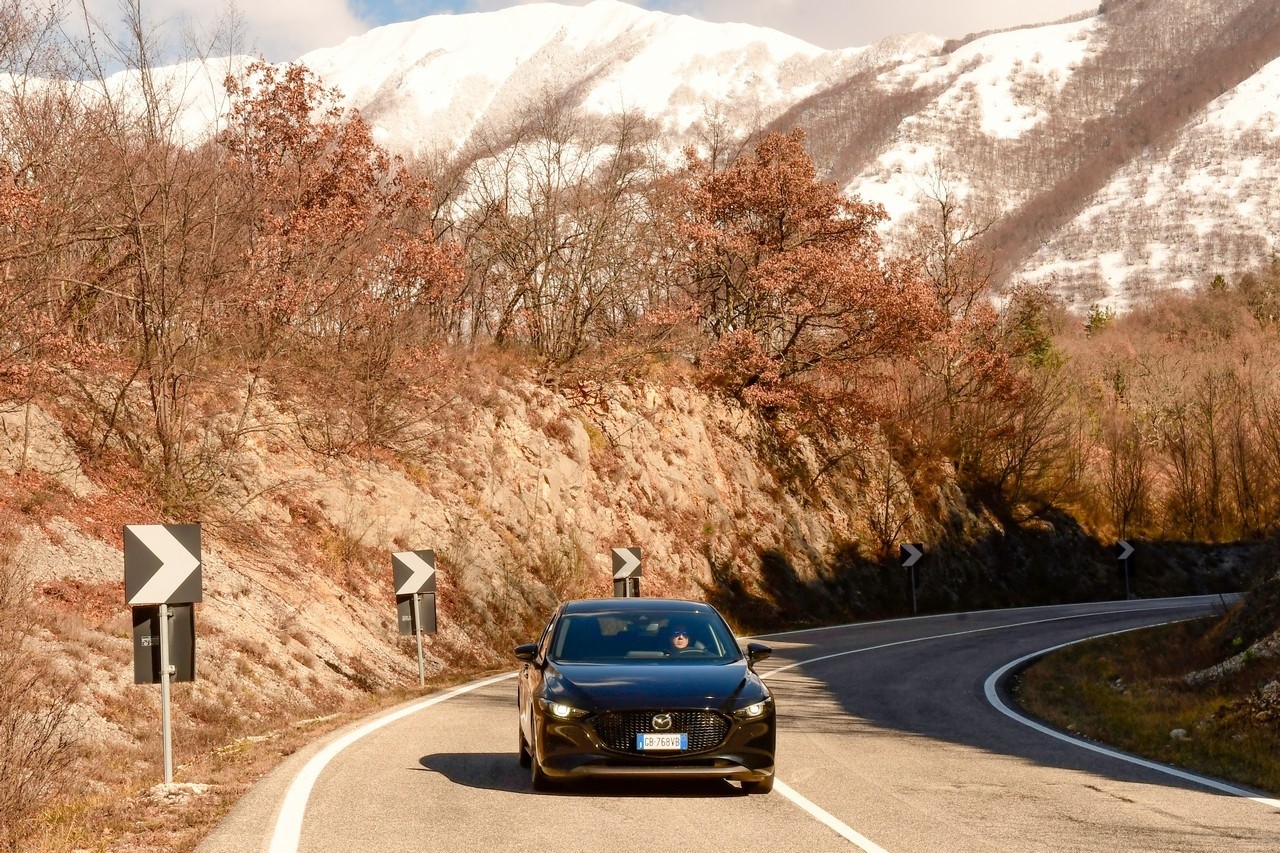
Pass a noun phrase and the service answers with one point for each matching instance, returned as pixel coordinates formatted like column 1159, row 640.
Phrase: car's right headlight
column 561, row 711
column 754, row 710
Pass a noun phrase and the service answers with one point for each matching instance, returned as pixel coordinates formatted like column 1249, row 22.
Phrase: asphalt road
column 887, row 741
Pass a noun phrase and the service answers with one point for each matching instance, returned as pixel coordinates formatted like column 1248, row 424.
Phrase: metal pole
column 417, row 632
column 166, row 736
column 1126, row 578
column 913, row 590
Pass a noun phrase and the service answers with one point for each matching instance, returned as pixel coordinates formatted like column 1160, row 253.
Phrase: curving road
column 888, row 740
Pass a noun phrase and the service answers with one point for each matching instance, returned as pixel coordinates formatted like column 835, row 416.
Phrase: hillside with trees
column 558, row 343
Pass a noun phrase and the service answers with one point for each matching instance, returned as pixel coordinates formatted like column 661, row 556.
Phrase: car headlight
column 561, row 711
column 755, row 709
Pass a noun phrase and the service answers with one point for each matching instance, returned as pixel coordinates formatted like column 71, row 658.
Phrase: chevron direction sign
column 414, row 576
column 415, row 572
column 626, row 572
column 626, row 563
column 162, row 564
column 910, row 552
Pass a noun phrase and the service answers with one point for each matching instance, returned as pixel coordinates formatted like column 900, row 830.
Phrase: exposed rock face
column 521, row 494
column 1268, row 648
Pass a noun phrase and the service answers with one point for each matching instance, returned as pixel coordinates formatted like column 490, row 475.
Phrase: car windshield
column 654, row 636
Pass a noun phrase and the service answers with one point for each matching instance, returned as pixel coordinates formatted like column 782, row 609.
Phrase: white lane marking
column 288, row 829
column 1186, row 599
column 826, row 817
column 988, row 629
column 994, row 698
column 830, row 820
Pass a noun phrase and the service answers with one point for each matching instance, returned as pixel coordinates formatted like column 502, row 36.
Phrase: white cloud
column 285, row 29
column 851, row 23
column 278, row 29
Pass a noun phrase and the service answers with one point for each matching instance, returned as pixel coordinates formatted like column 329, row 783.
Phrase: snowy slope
column 999, row 86
column 1209, row 203
column 426, row 85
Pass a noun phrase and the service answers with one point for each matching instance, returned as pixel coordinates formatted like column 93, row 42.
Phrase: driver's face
column 680, row 639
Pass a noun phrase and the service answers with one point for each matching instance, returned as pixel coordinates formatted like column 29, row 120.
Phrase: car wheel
column 525, row 758
column 540, row 780
column 761, row 786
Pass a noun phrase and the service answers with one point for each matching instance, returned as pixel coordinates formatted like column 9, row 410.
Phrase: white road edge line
column 830, row 820
column 1155, row 601
column 995, row 700
column 964, row 633
column 288, row 830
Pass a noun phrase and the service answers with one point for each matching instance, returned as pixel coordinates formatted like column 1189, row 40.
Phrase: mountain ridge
column 1044, row 133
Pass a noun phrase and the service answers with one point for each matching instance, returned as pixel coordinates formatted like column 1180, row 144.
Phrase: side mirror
column 757, row 652
column 527, row 652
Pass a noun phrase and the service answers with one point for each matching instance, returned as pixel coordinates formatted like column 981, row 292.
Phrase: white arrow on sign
column 913, row 554
column 627, row 561
column 1125, row 549
column 421, row 569
column 176, row 564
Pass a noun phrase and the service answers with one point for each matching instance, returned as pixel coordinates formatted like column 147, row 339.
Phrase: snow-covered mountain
column 426, row 85
column 1116, row 152
column 1127, row 150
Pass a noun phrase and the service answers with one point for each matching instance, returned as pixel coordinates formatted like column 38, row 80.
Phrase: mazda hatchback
column 644, row 687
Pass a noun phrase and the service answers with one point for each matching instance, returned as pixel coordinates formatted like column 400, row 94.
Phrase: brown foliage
column 1186, row 395
column 790, row 283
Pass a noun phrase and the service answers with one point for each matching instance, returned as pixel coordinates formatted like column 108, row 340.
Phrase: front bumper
column 571, row 749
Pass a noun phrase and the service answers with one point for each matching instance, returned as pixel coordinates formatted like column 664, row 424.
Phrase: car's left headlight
column 755, row 709
column 561, row 711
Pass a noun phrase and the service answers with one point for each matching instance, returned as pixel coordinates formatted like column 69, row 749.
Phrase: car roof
column 614, row 605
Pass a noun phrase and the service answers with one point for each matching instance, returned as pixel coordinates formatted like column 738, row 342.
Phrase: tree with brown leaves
column 791, row 284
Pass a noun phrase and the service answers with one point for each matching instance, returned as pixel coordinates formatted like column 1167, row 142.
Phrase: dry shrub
column 38, row 736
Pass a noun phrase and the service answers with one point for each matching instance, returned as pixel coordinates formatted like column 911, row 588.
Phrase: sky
column 283, row 30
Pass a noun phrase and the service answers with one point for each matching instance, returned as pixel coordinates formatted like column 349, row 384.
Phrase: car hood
column 603, row 687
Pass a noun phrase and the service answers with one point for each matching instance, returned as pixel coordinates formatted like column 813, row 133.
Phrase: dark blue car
column 644, row 687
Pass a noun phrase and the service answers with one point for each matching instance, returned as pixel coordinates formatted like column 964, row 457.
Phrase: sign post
column 414, row 574
column 162, row 567
column 910, row 553
column 626, row 572
column 165, row 675
column 1126, row 551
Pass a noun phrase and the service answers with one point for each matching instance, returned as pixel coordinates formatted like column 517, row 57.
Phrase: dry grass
column 38, row 734
column 1128, row 691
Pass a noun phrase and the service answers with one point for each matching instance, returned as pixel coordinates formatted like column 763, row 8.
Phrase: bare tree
column 893, row 508
column 1126, row 476
column 558, row 229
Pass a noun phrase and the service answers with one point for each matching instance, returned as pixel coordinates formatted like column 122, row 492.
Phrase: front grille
column 618, row 729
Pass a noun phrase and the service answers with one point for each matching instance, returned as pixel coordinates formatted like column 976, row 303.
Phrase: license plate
column 651, row 742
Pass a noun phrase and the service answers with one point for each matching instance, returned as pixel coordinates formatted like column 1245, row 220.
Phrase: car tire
column 541, row 781
column 760, row 786
column 525, row 758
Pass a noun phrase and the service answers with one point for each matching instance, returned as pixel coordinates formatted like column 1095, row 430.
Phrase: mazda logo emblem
column 662, row 722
